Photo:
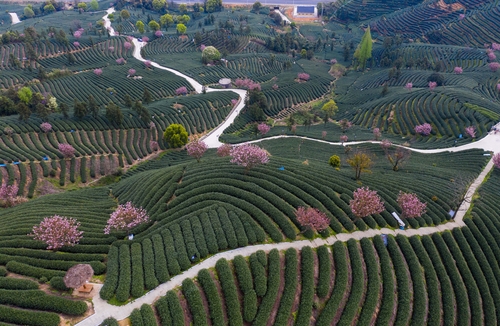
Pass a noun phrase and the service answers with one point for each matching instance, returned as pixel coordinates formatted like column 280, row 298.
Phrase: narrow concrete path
column 103, row 309
column 14, row 17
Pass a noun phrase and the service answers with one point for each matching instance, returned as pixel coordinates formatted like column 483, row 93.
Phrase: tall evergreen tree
column 146, row 96
column 364, row 49
column 114, row 113
column 93, row 107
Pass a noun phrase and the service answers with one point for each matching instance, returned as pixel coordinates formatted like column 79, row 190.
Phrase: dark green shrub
column 109, row 287
column 176, row 311
column 267, row 303
column 193, row 297
column 259, row 275
column 17, row 284
column 137, row 286
column 27, row 317
column 148, row 315
column 109, row 322
column 123, row 288
column 3, row 271
column 57, row 283
column 37, row 299
column 388, row 289
column 160, row 261
column 136, row 318
column 373, row 283
column 148, row 259
column 163, row 312
column 36, row 272
column 226, row 280
column 325, row 270
column 288, row 295
column 307, row 287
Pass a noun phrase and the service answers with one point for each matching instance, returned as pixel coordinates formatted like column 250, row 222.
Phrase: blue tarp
column 281, row 168
column 2, row 164
column 17, row 163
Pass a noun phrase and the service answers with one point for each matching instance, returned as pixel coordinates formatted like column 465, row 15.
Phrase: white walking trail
column 14, row 17
column 103, row 309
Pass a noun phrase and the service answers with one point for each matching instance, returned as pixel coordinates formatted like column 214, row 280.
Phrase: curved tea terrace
column 103, row 309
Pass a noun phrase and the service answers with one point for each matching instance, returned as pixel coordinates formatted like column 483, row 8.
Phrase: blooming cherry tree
column 249, row 156
column 125, row 217
column 495, row 46
column 131, row 72
column 312, row 218
column 234, row 101
column 461, row 16
column 303, row 76
column 409, row 86
column 343, row 138
column 345, row 124
column 127, row 45
column 385, row 144
column 275, row 87
column 46, row 127
column 111, row 49
column 153, row 144
column 120, row 61
column 76, row 44
column 224, row 150
column 57, row 231
column 66, row 150
column 181, row 90
column 494, row 66
column 496, row 160
column 411, row 206
column 147, row 63
column 98, row 71
column 366, row 202
column 263, row 128
column 423, row 129
column 158, row 33
column 432, row 85
column 196, row 149
column 376, row 133
column 470, row 131
column 145, row 39
column 323, row 134
column 491, row 55
column 458, row 70
column 8, row 195
column 247, row 84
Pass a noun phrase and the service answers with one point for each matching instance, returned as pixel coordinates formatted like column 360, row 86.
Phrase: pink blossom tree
column 323, row 134
column 76, row 44
column 409, row 86
column 57, row 231
column 491, row 55
column 365, row 202
column 303, row 76
column 8, row 195
column 158, row 33
column 333, row 61
column 66, row 150
column 224, row 150
column 153, row 144
column 131, row 72
column 98, row 71
column 495, row 46
column 376, row 133
column 130, row 38
column 312, row 218
column 494, row 66
column 202, row 47
column 111, row 49
column 125, row 217
column 343, row 138
column 247, row 84
column 432, row 85
column 498, row 87
column 147, row 63
column 120, row 61
column 127, row 45
column 461, row 16
column 196, row 149
column 46, row 127
column 458, row 70
column 385, row 144
column 275, row 87
column 496, row 160
column 263, row 128
column 249, row 156
column 411, row 206
column 181, row 90
column 78, row 34
column 470, row 131
column 234, row 101
column 145, row 39
column 423, row 129
column 345, row 124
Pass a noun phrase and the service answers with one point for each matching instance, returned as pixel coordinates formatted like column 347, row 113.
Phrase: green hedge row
column 200, row 238
column 226, row 279
column 464, row 306
column 170, row 253
column 163, row 312
column 339, row 287
column 148, row 260
column 160, row 262
column 402, row 282
column 37, row 299
column 373, row 283
column 273, row 283
column 388, row 288
column 180, row 247
column 217, row 228
column 325, row 270
column 227, row 227
column 307, row 287
column 27, row 317
column 189, row 241
column 434, row 295
column 36, row 272
column 3, row 271
column 98, row 267
column 136, row 318
column 417, row 278
column 245, row 282
column 109, row 287
column 195, row 302
column 9, row 283
column 259, row 274
column 148, row 315
column 212, row 294
column 353, row 304
column 176, row 311
column 137, row 285
column 123, row 288
column 290, row 289
column 109, row 322
column 470, row 282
